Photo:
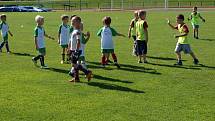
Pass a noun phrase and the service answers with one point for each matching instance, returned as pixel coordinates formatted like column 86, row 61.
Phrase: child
column 39, row 34
column 194, row 17
column 132, row 31
column 107, row 45
column 74, row 46
column 64, row 36
column 142, row 37
column 4, row 32
column 183, row 43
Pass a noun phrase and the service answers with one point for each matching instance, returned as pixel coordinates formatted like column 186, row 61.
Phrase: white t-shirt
column 106, row 34
column 76, row 34
column 4, row 29
column 39, row 32
column 64, row 31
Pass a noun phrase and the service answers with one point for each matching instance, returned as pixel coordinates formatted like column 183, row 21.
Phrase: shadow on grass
column 113, row 87
column 205, row 66
column 130, row 68
column 22, row 54
column 162, row 58
column 173, row 66
column 207, row 39
column 59, row 70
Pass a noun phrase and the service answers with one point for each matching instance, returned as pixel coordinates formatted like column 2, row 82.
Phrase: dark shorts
column 41, row 51
column 141, row 47
column 74, row 56
column 183, row 47
column 107, row 50
column 195, row 26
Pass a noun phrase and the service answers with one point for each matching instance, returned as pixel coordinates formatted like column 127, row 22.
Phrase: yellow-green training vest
column 182, row 40
column 140, row 30
column 133, row 29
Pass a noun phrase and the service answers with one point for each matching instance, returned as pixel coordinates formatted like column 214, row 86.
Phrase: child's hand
column 88, row 34
column 176, row 36
column 168, row 21
column 11, row 34
column 203, row 20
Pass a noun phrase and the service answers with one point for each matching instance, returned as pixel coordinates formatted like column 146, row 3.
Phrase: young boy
column 132, row 31
column 64, row 36
column 194, row 17
column 107, row 46
column 4, row 32
column 74, row 46
column 183, row 43
column 142, row 37
column 39, row 34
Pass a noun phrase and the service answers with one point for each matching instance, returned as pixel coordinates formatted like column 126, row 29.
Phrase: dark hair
column 2, row 16
column 72, row 16
column 107, row 20
column 195, row 7
column 141, row 13
column 180, row 16
column 64, row 17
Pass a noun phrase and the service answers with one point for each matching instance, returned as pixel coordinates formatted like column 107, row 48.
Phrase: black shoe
column 117, row 65
column 140, row 61
column 179, row 63
column 196, row 61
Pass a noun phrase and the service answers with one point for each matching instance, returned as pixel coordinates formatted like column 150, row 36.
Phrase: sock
column 114, row 57
column 42, row 60
column 37, row 58
column 103, row 60
column 63, row 57
column 7, row 47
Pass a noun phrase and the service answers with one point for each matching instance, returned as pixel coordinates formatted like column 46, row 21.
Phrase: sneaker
column 140, row 61
column 62, row 62
column 117, row 65
column 197, row 37
column 89, row 76
column 179, row 63
column 44, row 67
column 196, row 61
column 74, row 80
column 34, row 61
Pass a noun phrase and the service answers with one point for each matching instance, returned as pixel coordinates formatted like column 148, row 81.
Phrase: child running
column 75, row 51
column 142, row 37
column 194, row 17
column 39, row 34
column 132, row 32
column 107, row 46
column 64, row 36
column 183, row 43
column 4, row 32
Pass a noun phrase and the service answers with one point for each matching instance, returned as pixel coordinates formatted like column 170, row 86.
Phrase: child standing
column 75, row 51
column 194, row 17
column 39, row 34
column 142, row 37
column 64, row 36
column 183, row 43
column 107, row 46
column 4, row 32
column 132, row 32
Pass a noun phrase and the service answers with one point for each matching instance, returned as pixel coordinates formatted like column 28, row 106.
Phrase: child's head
column 72, row 16
column 142, row 14
column 76, row 22
column 136, row 15
column 106, row 20
column 195, row 9
column 180, row 19
column 65, row 19
column 3, row 17
column 39, row 20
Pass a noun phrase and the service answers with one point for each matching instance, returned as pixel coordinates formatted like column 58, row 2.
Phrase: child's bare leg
column 144, row 58
column 103, row 61
column 193, row 55
column 195, row 60
column 197, row 33
column 178, row 54
column 194, row 33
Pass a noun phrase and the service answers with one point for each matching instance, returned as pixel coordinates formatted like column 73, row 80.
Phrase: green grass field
column 157, row 91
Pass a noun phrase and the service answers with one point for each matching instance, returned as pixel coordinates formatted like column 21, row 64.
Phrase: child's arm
column 88, row 36
column 201, row 18
column 168, row 22
column 35, row 40
column 59, row 32
column 146, row 34
column 46, row 35
column 130, row 27
column 181, row 35
column 119, row 34
column 10, row 33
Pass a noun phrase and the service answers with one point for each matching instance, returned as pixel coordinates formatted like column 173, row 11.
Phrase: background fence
column 110, row 4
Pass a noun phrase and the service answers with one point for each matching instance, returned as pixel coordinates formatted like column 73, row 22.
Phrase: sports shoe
column 89, row 76
column 196, row 61
column 74, row 80
column 34, row 61
column 178, row 63
column 116, row 64
column 44, row 67
column 140, row 61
